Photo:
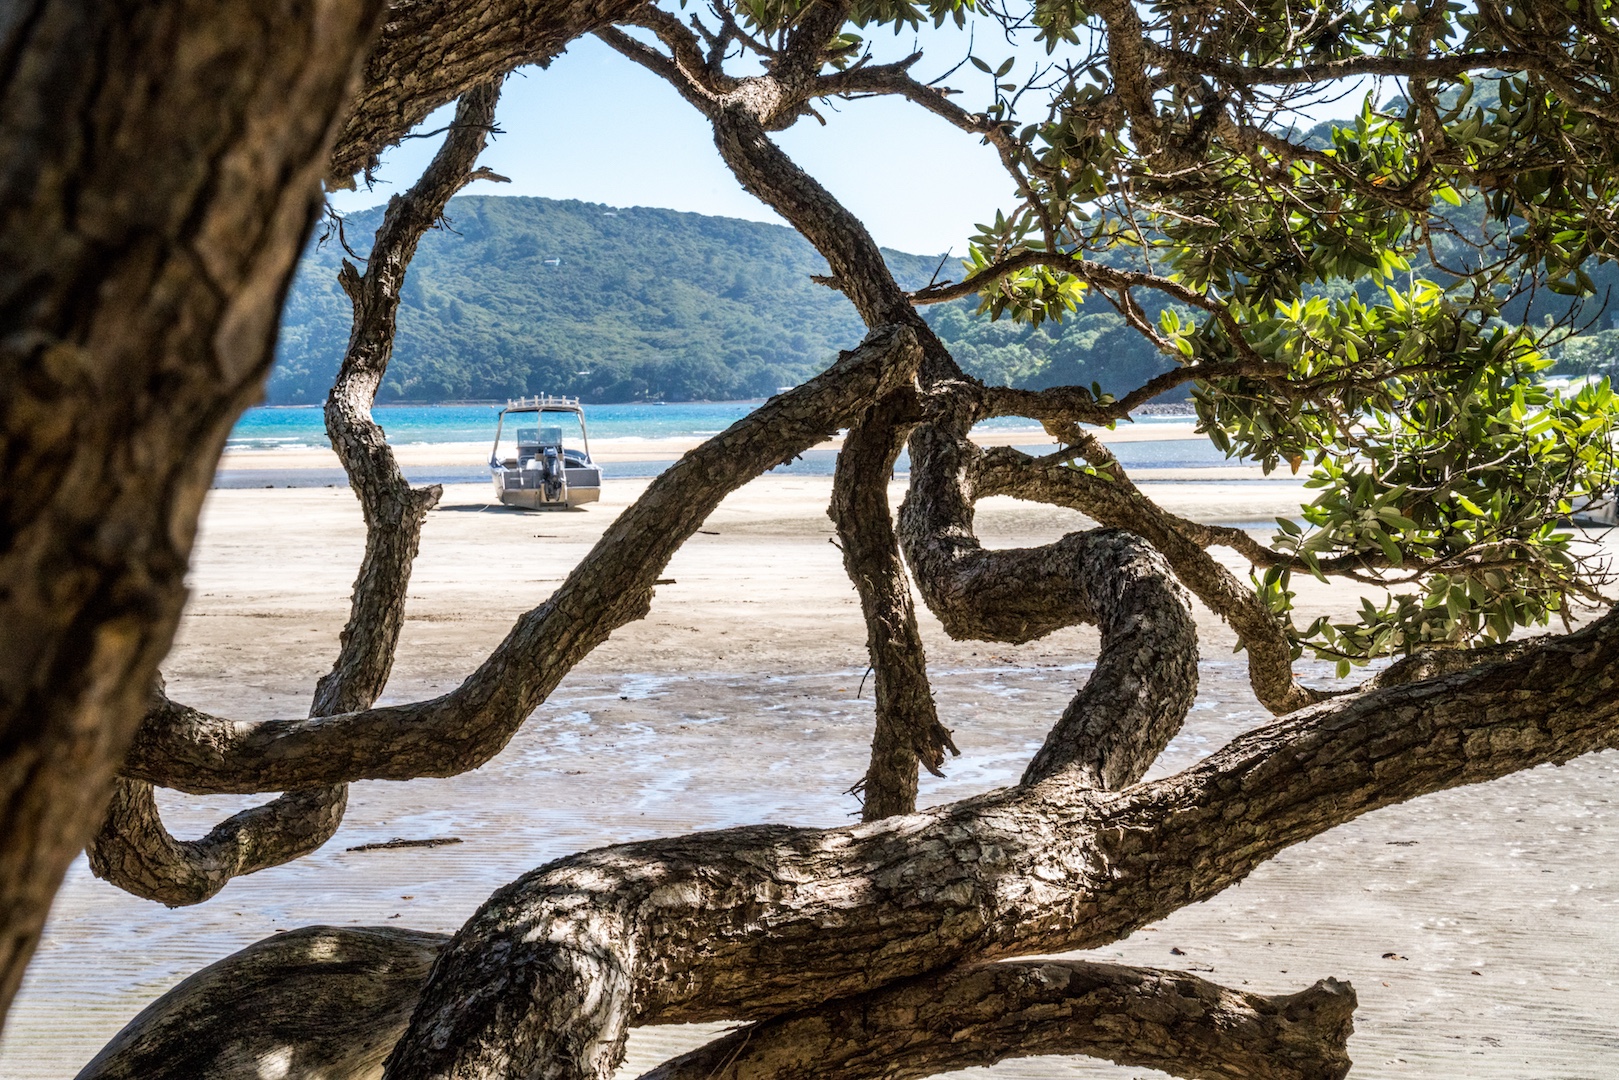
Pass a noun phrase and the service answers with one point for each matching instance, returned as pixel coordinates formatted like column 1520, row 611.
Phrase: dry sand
column 738, row 700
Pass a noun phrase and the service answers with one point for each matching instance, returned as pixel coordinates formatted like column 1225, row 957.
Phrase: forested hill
column 528, row 295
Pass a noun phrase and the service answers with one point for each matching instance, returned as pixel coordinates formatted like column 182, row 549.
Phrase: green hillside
column 524, row 295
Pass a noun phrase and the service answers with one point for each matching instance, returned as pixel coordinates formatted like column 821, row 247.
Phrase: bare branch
column 132, row 849
column 1116, row 725
column 907, row 729
column 1108, row 497
column 135, row 852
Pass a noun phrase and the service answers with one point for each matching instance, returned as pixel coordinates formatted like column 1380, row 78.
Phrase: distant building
column 553, row 262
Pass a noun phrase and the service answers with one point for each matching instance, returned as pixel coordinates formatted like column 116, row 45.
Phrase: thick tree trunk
column 326, row 999
column 752, row 923
column 322, row 1002
column 161, row 174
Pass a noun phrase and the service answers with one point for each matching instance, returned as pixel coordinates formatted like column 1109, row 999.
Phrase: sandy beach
column 1480, row 927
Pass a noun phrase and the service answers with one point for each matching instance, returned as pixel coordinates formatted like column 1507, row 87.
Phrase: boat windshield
column 525, row 435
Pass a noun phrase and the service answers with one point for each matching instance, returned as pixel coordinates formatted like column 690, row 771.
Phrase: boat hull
column 525, row 488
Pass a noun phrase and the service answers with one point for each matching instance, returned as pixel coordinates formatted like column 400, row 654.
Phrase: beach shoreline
column 634, row 449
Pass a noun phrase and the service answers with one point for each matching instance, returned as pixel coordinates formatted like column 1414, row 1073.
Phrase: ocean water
column 269, row 428
column 274, row 428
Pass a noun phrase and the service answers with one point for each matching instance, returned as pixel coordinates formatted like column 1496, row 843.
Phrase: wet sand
column 739, row 700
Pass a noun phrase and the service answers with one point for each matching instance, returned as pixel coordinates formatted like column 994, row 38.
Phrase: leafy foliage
column 1355, row 291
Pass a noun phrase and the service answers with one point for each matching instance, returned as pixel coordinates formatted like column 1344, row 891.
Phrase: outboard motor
column 555, row 478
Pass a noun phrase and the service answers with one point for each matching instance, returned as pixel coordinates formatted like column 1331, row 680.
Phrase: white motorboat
column 535, row 463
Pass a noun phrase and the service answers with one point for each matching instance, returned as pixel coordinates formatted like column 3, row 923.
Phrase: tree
column 1441, row 460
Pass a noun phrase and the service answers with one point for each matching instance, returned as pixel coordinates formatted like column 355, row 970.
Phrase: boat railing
column 543, row 401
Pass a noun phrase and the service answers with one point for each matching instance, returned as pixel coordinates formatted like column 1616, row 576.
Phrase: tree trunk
column 324, row 1002
column 752, row 923
column 162, row 167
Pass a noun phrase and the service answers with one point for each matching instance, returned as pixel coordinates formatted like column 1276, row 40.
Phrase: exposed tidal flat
column 1480, row 927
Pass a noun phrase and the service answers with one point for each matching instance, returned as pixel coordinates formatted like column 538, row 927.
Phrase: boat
column 535, row 462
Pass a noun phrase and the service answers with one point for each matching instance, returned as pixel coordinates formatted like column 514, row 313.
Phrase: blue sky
column 595, row 126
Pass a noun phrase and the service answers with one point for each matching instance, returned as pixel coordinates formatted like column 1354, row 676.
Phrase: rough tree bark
column 906, row 730
column 749, row 923
column 132, row 849
column 1108, row 497
column 984, row 1013
column 320, row 1001
column 862, row 951
column 329, row 1001
column 1025, row 593
column 160, row 175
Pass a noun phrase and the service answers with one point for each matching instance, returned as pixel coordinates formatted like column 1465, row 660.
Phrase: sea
column 283, row 427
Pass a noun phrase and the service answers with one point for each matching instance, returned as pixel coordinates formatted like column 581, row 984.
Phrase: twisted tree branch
column 1108, row 497
column 132, row 849
column 907, row 729
column 981, row 1014
column 756, row 922
column 187, row 749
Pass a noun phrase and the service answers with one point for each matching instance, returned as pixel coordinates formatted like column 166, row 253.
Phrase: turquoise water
column 266, row 428
column 270, row 428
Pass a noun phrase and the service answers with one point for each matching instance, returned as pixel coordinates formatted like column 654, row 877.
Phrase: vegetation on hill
column 524, row 295
column 527, row 295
